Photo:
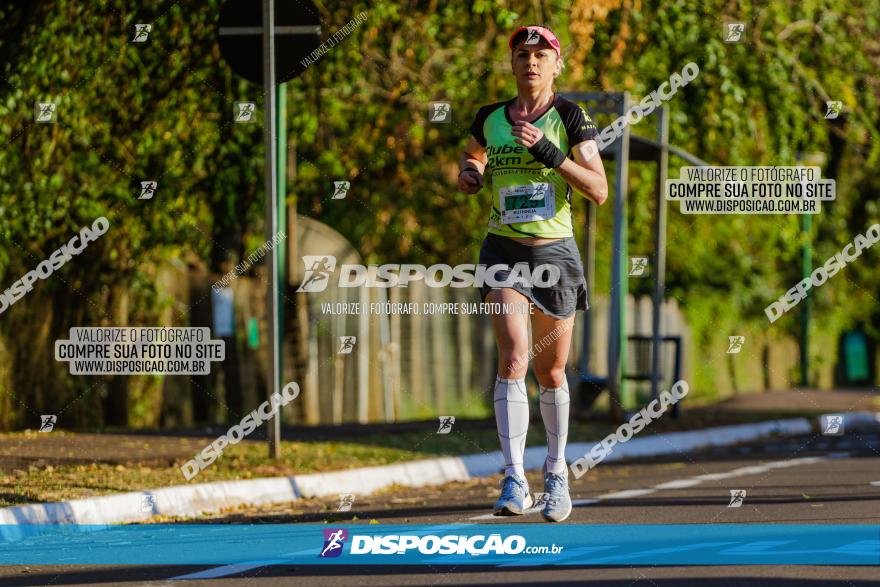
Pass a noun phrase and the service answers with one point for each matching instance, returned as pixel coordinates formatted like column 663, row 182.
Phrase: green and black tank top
column 530, row 199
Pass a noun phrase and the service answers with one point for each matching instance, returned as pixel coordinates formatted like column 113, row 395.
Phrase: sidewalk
column 802, row 401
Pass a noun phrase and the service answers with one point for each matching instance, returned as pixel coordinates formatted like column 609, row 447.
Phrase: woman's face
column 535, row 65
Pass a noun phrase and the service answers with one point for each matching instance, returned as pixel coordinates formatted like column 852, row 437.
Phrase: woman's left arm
column 586, row 174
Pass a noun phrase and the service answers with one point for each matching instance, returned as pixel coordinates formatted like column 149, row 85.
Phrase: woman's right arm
column 472, row 164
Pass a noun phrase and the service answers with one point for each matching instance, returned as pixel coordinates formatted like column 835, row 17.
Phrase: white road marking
column 679, row 484
column 223, row 571
column 875, row 483
column 626, row 493
column 574, row 503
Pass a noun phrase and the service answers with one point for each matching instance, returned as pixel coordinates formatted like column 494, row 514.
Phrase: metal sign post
column 619, row 274
column 659, row 250
column 280, row 251
column 249, row 38
column 274, row 425
column 810, row 160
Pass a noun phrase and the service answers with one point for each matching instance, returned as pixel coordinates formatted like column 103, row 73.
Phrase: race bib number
column 527, row 203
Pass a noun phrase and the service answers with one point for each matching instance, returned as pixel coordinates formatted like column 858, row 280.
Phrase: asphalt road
column 811, row 479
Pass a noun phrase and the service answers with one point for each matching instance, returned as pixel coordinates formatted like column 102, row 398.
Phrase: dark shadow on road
column 688, row 576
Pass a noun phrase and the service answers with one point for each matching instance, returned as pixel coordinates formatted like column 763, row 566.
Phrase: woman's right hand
column 470, row 181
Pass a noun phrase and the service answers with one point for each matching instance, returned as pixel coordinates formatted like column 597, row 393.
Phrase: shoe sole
column 507, row 511
column 562, row 519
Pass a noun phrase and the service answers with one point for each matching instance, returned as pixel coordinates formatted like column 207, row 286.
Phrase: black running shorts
column 560, row 300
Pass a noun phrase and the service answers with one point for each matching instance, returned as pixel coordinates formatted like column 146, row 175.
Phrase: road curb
column 197, row 498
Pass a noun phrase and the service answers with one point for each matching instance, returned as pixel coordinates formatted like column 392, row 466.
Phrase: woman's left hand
column 527, row 135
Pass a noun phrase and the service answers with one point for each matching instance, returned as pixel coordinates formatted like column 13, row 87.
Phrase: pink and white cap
column 537, row 32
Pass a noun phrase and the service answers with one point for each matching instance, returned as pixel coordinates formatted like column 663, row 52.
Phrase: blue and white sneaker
column 557, row 506
column 515, row 496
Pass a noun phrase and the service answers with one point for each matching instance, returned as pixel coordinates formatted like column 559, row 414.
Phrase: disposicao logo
column 319, row 268
column 334, row 539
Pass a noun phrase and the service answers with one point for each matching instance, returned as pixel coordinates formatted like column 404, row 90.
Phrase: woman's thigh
column 551, row 338
column 511, row 334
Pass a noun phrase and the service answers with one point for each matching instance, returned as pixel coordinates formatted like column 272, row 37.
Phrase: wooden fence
column 406, row 366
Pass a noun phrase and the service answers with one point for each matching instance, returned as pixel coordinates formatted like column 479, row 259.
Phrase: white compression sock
column 512, row 420
column 554, row 412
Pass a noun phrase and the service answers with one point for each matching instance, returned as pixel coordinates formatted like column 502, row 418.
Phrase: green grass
column 246, row 460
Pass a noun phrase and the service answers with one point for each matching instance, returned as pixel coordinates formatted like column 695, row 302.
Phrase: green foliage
column 162, row 110
column 127, row 112
column 757, row 103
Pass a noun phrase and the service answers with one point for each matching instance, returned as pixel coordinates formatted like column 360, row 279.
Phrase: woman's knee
column 512, row 363
column 550, row 376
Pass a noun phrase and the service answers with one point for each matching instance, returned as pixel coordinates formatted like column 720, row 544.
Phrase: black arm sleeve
column 578, row 125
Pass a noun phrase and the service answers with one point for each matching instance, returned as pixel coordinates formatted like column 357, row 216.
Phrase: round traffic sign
column 240, row 32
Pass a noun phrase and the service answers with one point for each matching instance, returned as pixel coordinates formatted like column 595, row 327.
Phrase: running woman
column 525, row 142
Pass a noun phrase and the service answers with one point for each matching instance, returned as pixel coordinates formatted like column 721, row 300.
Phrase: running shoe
column 515, row 497
column 557, row 506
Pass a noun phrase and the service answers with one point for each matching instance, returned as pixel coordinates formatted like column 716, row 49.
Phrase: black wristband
column 547, row 153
